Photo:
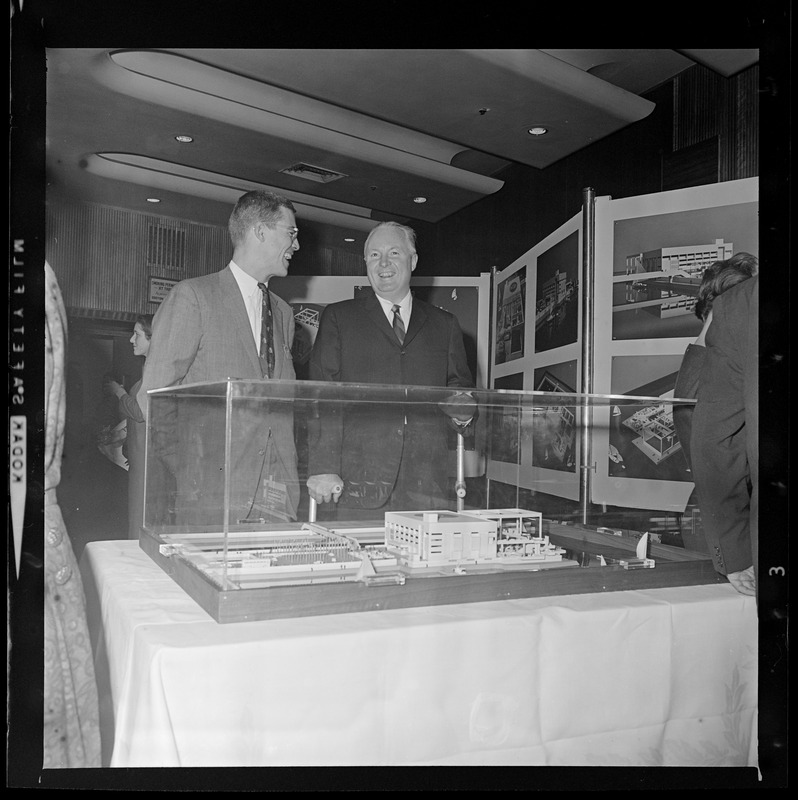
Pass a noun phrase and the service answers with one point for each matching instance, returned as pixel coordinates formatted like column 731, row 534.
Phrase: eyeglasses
column 293, row 231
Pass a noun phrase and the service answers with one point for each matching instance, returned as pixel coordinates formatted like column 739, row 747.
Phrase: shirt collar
column 246, row 283
column 406, row 304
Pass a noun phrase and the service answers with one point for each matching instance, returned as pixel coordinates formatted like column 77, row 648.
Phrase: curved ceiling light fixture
column 568, row 81
column 158, row 174
column 441, row 91
column 198, row 88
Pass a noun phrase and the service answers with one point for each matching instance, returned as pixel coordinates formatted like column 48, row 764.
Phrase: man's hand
column 323, row 488
column 115, row 388
column 460, row 407
column 744, row 581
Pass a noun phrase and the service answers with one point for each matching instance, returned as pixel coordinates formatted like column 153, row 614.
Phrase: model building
column 492, row 537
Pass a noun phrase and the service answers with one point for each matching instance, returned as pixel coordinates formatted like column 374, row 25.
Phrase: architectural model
column 499, row 537
column 440, row 541
column 426, row 558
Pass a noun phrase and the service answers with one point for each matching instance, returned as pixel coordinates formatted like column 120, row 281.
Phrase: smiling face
column 276, row 244
column 139, row 340
column 390, row 262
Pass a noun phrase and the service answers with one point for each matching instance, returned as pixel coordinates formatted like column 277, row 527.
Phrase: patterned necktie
column 266, row 351
column 398, row 325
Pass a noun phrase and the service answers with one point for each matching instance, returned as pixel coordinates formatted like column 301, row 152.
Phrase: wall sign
column 159, row 288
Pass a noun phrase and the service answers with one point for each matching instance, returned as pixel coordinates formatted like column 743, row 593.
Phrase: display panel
column 644, row 259
column 227, row 510
column 650, row 254
column 541, row 352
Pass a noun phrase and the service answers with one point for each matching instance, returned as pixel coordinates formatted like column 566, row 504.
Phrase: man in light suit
column 724, row 441
column 210, row 329
column 372, row 459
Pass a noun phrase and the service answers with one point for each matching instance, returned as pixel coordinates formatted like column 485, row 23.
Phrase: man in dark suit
column 724, row 442
column 372, row 459
column 209, row 329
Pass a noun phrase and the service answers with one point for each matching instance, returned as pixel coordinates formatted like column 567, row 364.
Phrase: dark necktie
column 398, row 325
column 266, row 350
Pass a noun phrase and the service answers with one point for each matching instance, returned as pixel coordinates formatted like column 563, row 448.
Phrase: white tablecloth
column 661, row 677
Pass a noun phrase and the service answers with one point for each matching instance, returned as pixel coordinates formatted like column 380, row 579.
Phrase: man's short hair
column 254, row 207
column 409, row 233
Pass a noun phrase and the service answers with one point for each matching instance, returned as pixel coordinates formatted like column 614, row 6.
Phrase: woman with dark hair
column 719, row 277
column 130, row 410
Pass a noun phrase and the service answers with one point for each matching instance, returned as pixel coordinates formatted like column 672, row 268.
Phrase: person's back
column 725, row 435
column 717, row 278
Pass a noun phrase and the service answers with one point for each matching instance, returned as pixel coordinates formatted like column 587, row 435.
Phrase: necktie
column 398, row 325
column 266, row 350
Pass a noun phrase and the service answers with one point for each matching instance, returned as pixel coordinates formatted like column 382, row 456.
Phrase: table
column 661, row 677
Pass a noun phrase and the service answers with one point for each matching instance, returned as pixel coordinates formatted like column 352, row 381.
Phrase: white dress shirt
column 405, row 306
column 253, row 299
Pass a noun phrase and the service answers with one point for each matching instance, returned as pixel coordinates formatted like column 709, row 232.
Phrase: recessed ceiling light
column 183, row 139
column 348, row 239
column 419, row 199
column 153, row 200
column 537, row 130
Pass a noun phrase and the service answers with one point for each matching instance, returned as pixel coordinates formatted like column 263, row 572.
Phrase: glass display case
column 425, row 495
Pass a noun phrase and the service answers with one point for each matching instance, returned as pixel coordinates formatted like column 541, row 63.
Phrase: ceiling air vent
column 311, row 173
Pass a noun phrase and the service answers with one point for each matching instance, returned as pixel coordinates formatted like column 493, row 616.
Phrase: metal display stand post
column 587, row 464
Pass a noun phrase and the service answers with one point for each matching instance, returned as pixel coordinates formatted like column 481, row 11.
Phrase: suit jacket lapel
column 377, row 315
column 418, row 316
column 280, row 327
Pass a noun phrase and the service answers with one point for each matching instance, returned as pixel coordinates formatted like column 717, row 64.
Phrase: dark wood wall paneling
column 741, row 157
column 332, row 261
column 715, row 128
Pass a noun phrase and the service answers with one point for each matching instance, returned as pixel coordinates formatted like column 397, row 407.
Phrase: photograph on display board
column 643, row 443
column 553, row 428
column 658, row 262
column 557, row 296
column 306, row 326
column 463, row 302
column 505, row 423
column 511, row 317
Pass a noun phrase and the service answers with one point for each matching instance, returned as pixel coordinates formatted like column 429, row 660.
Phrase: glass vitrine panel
column 423, row 480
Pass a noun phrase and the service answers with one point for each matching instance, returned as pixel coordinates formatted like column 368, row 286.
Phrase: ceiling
column 351, row 136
